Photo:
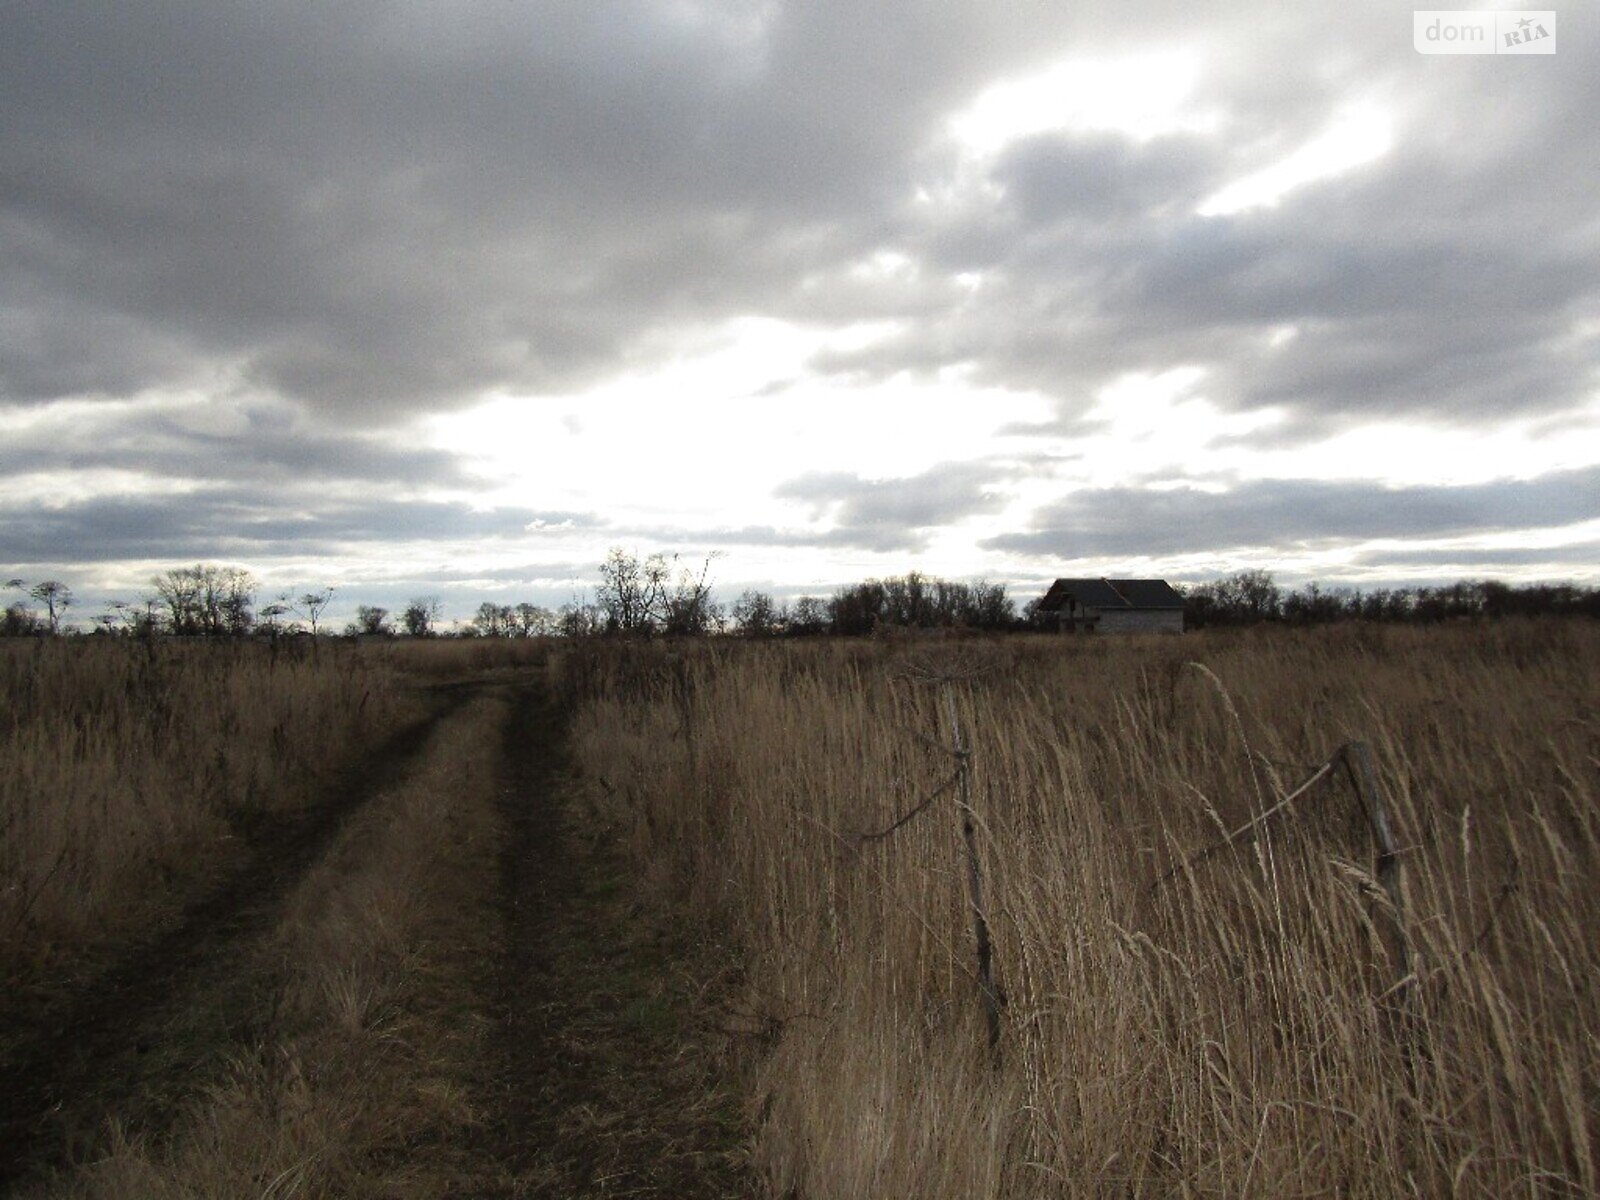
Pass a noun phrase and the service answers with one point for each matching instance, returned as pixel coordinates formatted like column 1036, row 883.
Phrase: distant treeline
column 656, row 596
column 1251, row 597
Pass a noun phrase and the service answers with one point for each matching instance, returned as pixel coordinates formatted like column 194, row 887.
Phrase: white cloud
column 1353, row 139
column 1140, row 96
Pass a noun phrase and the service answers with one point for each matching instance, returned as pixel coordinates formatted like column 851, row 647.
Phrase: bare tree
column 421, row 615
column 234, row 595
column 578, row 619
column 533, row 621
column 632, row 592
column 18, row 620
column 179, row 593
column 495, row 620
column 371, row 619
column 688, row 610
column 992, row 608
column 639, row 596
column 808, row 616
column 56, row 598
column 756, row 615
column 206, row 599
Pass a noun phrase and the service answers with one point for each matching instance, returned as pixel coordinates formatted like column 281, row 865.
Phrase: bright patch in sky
column 1141, row 96
column 635, row 448
column 1148, row 424
column 1353, row 139
column 1411, row 453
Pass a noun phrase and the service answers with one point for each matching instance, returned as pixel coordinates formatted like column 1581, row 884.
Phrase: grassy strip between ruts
column 611, row 1077
column 364, row 1057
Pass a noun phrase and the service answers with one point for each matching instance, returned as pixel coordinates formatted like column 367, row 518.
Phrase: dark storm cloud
column 1501, row 560
column 264, row 444
column 220, row 522
column 1403, row 303
column 379, row 207
column 1092, row 179
column 1286, row 512
column 874, row 509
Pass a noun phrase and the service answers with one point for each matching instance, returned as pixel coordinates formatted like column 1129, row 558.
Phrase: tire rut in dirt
column 533, row 877
column 600, row 1088
column 134, row 1039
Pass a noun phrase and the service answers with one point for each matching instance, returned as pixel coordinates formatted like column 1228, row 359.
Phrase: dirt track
column 599, row 1079
column 601, row 1082
column 133, row 1040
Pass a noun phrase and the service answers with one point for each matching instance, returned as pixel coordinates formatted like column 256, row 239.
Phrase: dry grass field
column 478, row 918
column 133, row 774
column 1179, row 1019
column 319, row 922
column 364, row 1030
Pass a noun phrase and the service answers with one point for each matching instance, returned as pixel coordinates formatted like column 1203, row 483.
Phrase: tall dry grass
column 1234, row 1030
column 130, row 772
column 357, row 1075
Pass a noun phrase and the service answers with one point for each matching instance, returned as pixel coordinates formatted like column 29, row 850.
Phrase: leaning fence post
column 980, row 921
column 1357, row 758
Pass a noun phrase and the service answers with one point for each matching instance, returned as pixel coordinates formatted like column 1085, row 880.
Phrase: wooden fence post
column 1357, row 758
column 980, row 920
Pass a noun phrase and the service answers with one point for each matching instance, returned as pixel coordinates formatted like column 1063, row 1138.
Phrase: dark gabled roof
column 1112, row 594
column 1148, row 593
column 1091, row 593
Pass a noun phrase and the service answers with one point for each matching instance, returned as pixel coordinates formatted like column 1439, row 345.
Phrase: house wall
column 1163, row 620
column 1065, row 622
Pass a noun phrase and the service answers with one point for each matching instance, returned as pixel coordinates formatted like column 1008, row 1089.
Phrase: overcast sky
column 450, row 296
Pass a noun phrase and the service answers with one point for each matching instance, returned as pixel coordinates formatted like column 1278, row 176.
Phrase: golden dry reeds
column 130, row 773
column 370, row 1037
column 1177, row 1023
